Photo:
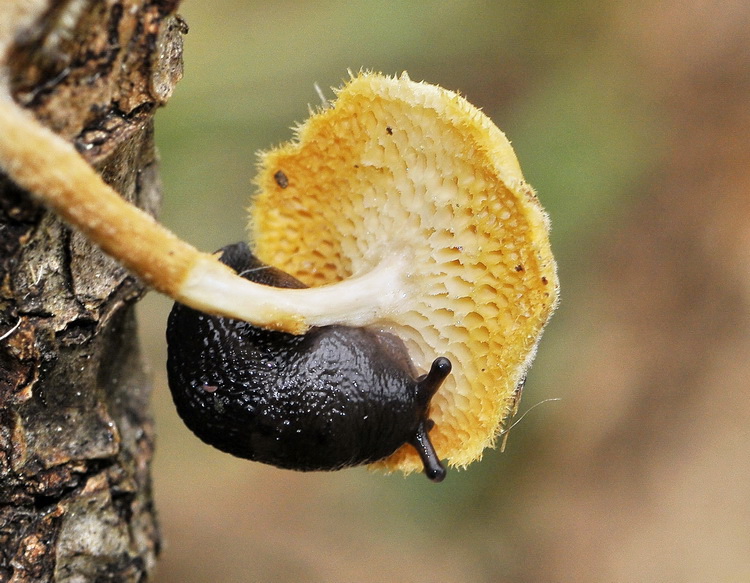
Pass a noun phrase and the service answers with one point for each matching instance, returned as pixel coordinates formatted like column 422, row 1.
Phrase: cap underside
column 396, row 168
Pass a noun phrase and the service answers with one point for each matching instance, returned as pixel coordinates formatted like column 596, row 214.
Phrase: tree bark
column 76, row 435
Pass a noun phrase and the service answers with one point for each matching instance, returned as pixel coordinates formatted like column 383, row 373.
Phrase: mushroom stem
column 356, row 301
column 49, row 167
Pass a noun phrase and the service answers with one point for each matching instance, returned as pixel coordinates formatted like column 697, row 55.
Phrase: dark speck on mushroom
column 281, row 179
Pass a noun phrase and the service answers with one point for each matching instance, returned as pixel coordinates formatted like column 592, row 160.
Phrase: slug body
column 334, row 397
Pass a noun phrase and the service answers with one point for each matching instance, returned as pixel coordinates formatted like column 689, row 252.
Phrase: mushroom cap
column 412, row 174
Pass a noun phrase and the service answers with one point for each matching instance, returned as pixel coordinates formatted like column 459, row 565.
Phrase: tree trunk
column 76, row 436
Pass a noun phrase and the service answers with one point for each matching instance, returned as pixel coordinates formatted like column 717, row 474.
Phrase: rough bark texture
column 76, row 436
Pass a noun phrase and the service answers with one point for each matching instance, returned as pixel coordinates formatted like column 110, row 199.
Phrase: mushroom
column 411, row 178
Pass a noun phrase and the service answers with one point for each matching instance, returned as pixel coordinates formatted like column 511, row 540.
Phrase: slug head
column 335, row 397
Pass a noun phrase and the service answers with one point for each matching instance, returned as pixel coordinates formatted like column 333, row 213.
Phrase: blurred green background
column 593, row 97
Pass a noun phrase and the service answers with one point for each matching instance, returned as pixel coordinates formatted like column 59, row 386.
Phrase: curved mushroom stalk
column 49, row 167
column 412, row 176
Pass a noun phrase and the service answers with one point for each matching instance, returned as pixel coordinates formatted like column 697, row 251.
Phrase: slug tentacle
column 334, row 397
column 433, row 469
column 429, row 384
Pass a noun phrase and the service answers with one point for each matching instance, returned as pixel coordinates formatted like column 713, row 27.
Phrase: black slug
column 334, row 397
